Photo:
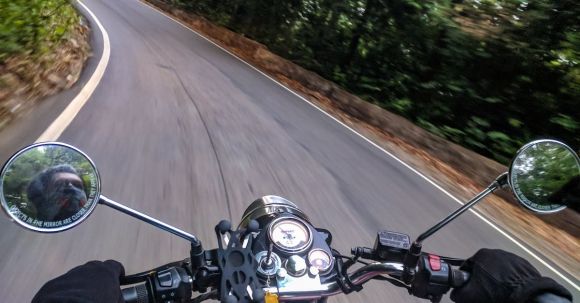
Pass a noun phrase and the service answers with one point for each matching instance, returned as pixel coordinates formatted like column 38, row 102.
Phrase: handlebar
column 394, row 269
column 166, row 284
column 456, row 278
column 136, row 294
column 459, row 278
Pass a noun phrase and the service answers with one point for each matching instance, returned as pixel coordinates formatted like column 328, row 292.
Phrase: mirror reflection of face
column 49, row 187
column 546, row 177
column 57, row 193
column 67, row 180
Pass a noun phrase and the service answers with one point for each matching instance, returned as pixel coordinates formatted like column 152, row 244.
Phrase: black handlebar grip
column 136, row 294
column 458, row 277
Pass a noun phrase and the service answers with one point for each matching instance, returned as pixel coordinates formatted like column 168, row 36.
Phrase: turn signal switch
column 435, row 277
column 172, row 284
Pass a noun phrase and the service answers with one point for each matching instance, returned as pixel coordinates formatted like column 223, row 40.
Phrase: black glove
column 94, row 282
column 502, row 277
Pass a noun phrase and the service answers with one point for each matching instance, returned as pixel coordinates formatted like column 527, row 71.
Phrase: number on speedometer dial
column 290, row 235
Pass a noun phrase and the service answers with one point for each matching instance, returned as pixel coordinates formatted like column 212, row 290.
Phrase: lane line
column 516, row 242
column 58, row 126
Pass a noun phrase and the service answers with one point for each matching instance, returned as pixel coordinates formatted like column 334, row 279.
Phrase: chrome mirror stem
column 145, row 218
column 501, row 181
column 414, row 252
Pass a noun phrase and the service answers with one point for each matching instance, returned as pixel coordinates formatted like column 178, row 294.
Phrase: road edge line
column 57, row 127
column 498, row 229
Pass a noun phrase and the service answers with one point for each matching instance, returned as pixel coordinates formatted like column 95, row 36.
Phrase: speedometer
column 290, row 235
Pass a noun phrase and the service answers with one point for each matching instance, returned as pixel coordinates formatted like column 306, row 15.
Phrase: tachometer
column 290, row 235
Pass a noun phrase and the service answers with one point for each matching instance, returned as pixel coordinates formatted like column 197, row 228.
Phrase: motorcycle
column 275, row 254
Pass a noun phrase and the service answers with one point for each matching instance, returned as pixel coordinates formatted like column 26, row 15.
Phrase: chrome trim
column 277, row 263
column 4, row 203
column 323, row 290
column 372, row 270
column 523, row 148
column 296, row 250
column 296, row 266
column 268, row 207
column 145, row 218
column 452, row 216
column 359, row 277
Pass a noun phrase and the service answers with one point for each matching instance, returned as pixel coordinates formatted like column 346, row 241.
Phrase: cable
column 353, row 260
column 206, row 296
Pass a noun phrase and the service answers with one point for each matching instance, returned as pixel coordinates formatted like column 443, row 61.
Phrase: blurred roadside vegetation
column 33, row 27
column 487, row 74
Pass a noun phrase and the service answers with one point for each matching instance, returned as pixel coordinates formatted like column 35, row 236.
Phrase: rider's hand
column 502, row 277
column 93, row 282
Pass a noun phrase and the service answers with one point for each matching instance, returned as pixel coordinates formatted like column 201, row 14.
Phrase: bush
column 33, row 26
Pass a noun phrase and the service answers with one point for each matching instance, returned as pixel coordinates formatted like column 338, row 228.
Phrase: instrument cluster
column 293, row 253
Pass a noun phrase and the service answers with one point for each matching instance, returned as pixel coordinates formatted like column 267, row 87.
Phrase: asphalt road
column 183, row 131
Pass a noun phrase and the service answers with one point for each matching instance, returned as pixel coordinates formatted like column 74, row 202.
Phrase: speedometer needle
column 288, row 233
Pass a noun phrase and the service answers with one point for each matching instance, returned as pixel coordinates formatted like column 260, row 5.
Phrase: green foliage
column 546, row 174
column 489, row 75
column 33, row 26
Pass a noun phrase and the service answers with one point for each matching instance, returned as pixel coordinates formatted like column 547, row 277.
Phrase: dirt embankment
column 460, row 171
column 25, row 79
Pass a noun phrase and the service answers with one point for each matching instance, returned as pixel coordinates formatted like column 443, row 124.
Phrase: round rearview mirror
column 49, row 187
column 545, row 176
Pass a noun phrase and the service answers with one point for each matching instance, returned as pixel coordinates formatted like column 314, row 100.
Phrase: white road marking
column 380, row 148
column 66, row 117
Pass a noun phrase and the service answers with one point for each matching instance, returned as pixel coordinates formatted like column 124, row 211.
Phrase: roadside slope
column 44, row 58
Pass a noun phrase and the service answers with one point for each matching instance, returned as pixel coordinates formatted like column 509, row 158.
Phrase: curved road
column 183, row 131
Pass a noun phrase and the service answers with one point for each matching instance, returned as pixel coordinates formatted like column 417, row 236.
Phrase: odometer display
column 290, row 235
